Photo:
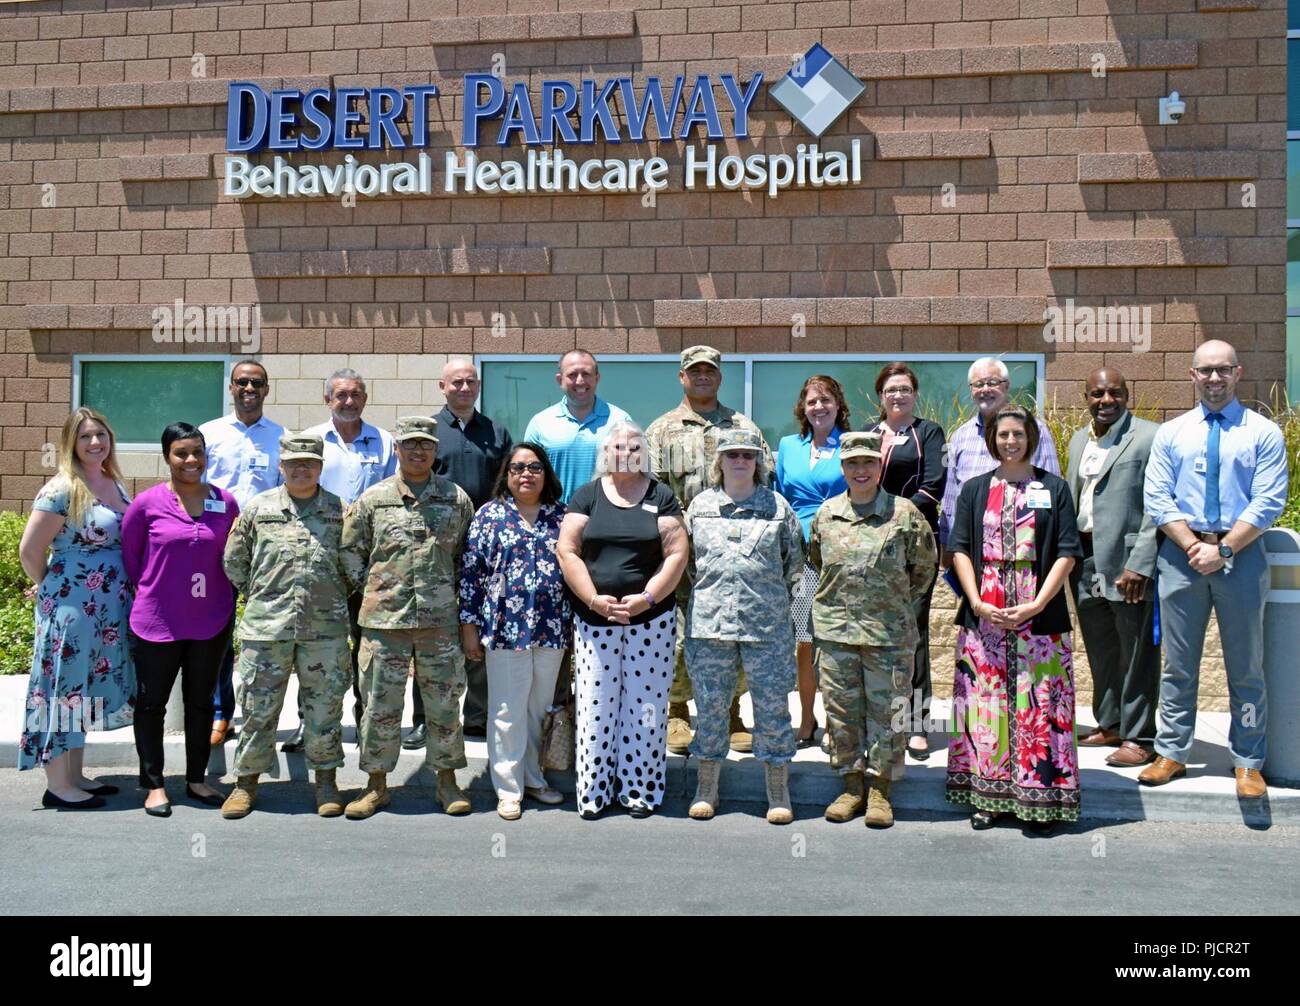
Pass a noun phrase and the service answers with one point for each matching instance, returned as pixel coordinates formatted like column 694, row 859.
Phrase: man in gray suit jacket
column 1112, row 588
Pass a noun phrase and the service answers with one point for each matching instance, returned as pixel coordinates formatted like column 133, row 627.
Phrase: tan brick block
column 1095, row 168
column 680, row 313
column 1075, row 254
column 900, row 311
column 1122, row 252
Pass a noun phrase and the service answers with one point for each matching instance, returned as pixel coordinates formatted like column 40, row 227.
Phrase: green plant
column 17, row 623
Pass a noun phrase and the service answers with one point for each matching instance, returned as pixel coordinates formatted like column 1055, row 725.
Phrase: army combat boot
column 706, row 790
column 741, row 738
column 778, row 794
column 849, row 803
column 328, row 801
column 372, row 798
column 880, row 814
column 241, row 798
column 679, row 727
column 451, row 796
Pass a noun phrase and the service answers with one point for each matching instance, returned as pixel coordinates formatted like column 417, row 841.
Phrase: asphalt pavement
column 411, row 858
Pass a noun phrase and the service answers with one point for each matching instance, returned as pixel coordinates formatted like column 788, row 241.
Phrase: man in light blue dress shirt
column 572, row 431
column 357, row 455
column 243, row 451
column 1216, row 480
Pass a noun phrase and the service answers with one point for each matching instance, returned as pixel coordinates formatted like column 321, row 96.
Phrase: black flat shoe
column 162, row 810
column 589, row 815
column 639, row 812
column 295, row 742
column 215, row 800
column 982, row 820
column 417, row 738
column 920, row 754
column 50, row 800
column 103, row 789
column 1041, row 827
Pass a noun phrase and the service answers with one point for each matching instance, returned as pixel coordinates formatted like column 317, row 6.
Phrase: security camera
column 1171, row 109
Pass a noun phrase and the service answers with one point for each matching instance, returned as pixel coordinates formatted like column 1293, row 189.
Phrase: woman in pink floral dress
column 82, row 674
column 1014, row 541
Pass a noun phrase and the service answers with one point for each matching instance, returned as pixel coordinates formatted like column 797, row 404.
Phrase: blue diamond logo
column 817, row 91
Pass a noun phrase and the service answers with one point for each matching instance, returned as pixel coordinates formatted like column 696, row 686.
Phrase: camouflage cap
column 701, row 354
column 416, row 428
column 859, row 445
column 738, row 439
column 302, row 447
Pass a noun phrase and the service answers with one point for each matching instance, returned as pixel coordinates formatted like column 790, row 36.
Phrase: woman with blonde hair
column 82, row 675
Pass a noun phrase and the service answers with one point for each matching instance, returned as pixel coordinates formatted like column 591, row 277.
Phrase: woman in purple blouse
column 514, row 607
column 173, row 539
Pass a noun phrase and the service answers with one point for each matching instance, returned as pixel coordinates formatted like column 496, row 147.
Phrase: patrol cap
column 701, row 354
column 302, row 447
column 859, row 445
column 416, row 428
column 739, row 440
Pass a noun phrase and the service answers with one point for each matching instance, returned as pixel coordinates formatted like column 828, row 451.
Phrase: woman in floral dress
column 514, row 607
column 82, row 676
column 1014, row 541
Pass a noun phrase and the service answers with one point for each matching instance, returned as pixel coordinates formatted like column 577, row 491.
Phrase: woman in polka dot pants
column 623, row 548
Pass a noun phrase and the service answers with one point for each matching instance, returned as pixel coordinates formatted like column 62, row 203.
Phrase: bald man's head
column 1106, row 395
column 1214, row 352
column 460, row 385
column 1215, row 373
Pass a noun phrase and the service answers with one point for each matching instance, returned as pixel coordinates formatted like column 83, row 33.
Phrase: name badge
column 899, row 438
column 650, row 508
column 214, row 506
column 1198, row 466
column 258, row 462
column 733, row 533
column 370, row 459
column 1091, row 465
column 1038, row 499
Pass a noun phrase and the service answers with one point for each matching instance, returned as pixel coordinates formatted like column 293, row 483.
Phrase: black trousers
column 156, row 666
column 1125, row 663
column 921, row 685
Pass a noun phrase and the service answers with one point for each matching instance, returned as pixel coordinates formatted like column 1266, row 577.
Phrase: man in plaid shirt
column 968, row 455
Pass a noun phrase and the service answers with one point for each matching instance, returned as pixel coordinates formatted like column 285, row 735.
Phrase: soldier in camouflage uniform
column 747, row 555
column 875, row 554
column 402, row 542
column 683, row 444
column 283, row 556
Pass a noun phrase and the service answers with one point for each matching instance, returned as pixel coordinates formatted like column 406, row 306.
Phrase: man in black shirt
column 471, row 448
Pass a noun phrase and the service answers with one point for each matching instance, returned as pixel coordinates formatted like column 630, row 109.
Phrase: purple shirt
column 165, row 552
column 968, row 456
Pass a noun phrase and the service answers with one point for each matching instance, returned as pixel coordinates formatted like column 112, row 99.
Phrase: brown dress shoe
column 1161, row 771
column 1130, row 754
column 1250, row 784
column 1100, row 738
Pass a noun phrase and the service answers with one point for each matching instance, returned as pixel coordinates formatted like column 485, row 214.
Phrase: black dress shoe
column 475, row 730
column 639, row 812
column 590, row 815
column 295, row 742
column 214, row 800
column 1041, row 827
column 162, row 810
column 417, row 738
column 50, row 800
column 103, row 789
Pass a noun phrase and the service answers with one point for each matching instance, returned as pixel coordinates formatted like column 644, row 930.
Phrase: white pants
column 521, row 686
column 622, row 674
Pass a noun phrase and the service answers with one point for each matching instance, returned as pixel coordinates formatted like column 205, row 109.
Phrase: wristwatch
column 1225, row 551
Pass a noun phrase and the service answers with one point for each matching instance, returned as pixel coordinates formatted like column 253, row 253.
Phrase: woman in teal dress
column 82, row 675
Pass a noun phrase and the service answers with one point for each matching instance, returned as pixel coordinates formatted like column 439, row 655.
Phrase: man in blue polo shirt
column 572, row 431
column 1216, row 480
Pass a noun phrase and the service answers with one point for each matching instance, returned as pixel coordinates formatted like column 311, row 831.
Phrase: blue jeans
column 223, row 698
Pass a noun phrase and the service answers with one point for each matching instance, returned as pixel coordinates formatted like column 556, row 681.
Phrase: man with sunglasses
column 244, row 459
column 1216, row 481
column 471, row 450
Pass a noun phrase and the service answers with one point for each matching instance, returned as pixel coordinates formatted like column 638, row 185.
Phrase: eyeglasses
column 463, row 383
column 981, row 385
column 248, row 382
column 742, row 455
column 519, row 467
column 901, row 392
column 1208, row 372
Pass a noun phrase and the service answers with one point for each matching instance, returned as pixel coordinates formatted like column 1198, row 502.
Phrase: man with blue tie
column 1216, row 480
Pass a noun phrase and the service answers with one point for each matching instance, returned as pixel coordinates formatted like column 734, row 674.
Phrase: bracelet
column 592, row 603
column 650, row 598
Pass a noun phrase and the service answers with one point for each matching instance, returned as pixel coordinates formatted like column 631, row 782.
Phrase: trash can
column 1281, row 644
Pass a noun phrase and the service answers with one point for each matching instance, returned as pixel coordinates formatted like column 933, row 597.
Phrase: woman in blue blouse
column 807, row 475
column 514, row 612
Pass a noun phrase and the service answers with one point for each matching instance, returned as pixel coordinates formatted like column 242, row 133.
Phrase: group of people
column 649, row 568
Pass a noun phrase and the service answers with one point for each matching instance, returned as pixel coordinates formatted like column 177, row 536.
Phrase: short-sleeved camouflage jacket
column 403, row 553
column 283, row 556
column 683, row 444
column 872, row 568
column 747, row 558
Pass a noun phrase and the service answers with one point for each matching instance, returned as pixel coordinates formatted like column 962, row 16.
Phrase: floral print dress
column 1012, row 748
column 82, row 674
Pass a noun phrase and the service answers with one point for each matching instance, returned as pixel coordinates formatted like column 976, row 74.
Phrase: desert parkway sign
column 539, row 129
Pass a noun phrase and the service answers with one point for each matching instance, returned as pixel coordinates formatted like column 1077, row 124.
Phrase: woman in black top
column 912, row 467
column 622, row 548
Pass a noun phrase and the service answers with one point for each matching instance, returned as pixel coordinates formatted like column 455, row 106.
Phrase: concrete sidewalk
column 1207, row 794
